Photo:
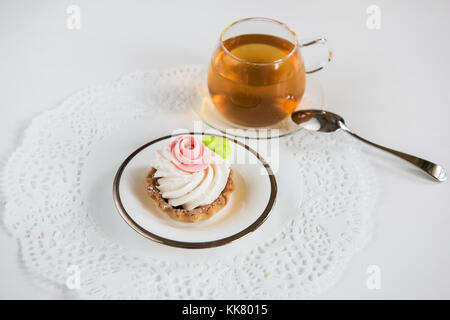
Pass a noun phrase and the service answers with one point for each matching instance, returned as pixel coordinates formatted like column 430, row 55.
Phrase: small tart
column 196, row 214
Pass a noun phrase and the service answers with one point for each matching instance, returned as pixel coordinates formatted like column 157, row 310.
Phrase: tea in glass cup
column 256, row 76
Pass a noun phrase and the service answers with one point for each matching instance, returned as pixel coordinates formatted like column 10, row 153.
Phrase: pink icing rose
column 189, row 154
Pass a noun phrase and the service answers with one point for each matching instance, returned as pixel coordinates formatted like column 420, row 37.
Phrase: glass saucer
column 313, row 98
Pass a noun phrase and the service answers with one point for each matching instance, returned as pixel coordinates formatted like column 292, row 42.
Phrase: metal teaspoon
column 325, row 121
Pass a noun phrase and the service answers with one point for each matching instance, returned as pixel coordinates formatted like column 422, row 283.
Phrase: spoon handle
column 434, row 170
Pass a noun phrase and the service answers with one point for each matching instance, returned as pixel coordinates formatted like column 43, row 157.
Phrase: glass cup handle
column 321, row 41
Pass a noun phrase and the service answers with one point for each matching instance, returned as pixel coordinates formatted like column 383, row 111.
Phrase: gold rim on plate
column 194, row 245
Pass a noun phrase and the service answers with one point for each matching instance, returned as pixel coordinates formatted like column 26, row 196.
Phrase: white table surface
column 391, row 85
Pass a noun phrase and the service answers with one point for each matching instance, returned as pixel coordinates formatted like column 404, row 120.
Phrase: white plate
column 249, row 205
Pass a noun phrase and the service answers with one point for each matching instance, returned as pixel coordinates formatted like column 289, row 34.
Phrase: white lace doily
column 50, row 215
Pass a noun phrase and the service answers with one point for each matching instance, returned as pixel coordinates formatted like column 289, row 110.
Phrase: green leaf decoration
column 219, row 145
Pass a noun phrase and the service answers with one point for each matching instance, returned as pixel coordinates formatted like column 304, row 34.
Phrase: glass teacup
column 257, row 76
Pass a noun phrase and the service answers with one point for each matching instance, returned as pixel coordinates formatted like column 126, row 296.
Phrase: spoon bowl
column 317, row 120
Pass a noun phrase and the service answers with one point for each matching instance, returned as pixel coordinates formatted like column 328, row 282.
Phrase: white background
column 391, row 85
